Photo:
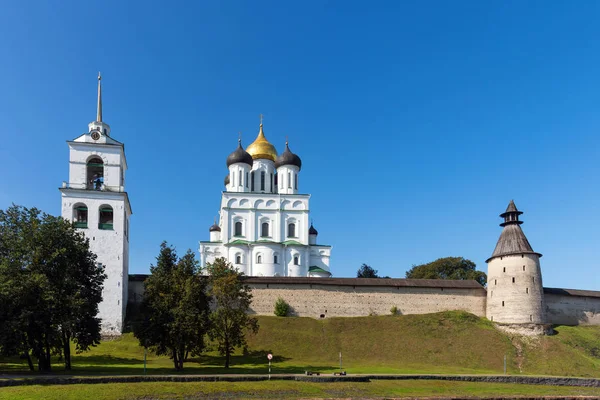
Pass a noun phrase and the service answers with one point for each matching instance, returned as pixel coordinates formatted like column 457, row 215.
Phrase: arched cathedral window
column 296, row 260
column 238, row 259
column 262, row 180
column 238, row 229
column 259, row 259
column 292, row 230
column 252, row 181
column 264, row 229
column 296, row 181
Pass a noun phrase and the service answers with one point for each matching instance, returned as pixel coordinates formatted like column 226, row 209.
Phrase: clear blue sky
column 417, row 122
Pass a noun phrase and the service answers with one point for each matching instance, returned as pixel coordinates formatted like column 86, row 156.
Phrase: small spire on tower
column 99, row 113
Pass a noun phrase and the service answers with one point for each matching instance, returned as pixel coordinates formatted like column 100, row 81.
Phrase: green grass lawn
column 285, row 389
column 448, row 342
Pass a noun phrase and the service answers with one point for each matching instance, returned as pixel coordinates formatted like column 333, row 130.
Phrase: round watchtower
column 515, row 294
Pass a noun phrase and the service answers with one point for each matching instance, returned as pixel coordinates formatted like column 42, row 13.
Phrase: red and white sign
column 270, row 356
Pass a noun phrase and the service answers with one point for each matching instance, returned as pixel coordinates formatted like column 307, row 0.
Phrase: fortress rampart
column 354, row 297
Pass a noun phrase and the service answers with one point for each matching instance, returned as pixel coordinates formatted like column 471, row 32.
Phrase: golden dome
column 261, row 148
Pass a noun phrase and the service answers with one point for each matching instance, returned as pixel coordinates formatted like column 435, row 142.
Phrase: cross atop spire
column 261, row 118
column 99, row 112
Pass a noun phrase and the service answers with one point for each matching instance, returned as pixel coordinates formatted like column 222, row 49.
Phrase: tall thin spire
column 99, row 114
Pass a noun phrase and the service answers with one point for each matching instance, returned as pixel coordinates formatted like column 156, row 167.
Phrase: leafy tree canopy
column 50, row 287
column 174, row 312
column 447, row 268
column 229, row 321
column 366, row 271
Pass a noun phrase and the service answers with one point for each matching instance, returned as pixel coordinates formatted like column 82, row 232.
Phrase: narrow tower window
column 238, row 229
column 523, row 268
column 275, row 259
column 271, row 183
column 105, row 220
column 503, row 303
column 262, row 180
column 533, row 279
column 240, row 182
column 246, row 179
column 504, row 269
column 238, row 259
column 513, row 279
column 292, row 230
column 252, row 181
column 259, row 259
column 264, row 229
column 495, row 281
column 296, row 260
column 289, row 180
column 296, row 181
column 527, row 290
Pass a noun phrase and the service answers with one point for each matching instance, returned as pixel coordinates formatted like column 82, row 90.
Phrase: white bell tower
column 95, row 200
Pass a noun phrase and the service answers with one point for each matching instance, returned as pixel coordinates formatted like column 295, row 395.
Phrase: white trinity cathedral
column 263, row 227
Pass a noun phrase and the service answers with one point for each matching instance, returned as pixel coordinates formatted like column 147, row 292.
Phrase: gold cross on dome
column 261, row 118
column 239, row 136
column 286, row 140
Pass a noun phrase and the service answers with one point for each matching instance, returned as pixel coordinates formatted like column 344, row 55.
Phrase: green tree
column 50, row 286
column 174, row 312
column 282, row 308
column 366, row 271
column 229, row 320
column 447, row 268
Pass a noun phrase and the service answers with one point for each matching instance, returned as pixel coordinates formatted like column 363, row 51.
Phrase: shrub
column 394, row 310
column 281, row 308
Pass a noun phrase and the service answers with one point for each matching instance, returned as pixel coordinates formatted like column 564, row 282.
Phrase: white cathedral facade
column 264, row 227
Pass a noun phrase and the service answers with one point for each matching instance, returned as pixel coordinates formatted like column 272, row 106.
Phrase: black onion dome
column 215, row 228
column 226, row 181
column 312, row 230
column 239, row 156
column 288, row 158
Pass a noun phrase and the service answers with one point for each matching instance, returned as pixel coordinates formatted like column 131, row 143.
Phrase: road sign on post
column 270, row 357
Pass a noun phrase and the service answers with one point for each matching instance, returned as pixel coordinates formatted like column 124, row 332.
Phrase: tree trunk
column 29, row 361
column 182, row 356
column 175, row 363
column 67, row 350
column 48, row 355
column 227, row 354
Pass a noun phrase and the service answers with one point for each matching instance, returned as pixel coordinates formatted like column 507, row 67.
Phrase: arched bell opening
column 95, row 174
column 105, row 219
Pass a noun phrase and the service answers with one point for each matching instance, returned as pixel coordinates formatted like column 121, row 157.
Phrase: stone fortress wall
column 355, row 297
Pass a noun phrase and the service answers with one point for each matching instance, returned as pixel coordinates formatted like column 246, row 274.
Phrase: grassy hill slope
column 448, row 342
